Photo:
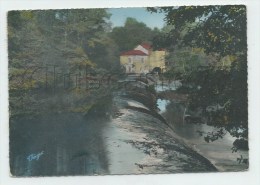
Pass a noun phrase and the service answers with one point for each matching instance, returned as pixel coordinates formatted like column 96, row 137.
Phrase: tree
column 219, row 31
column 38, row 40
column 132, row 34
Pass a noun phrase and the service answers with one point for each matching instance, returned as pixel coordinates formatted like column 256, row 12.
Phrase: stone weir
column 136, row 121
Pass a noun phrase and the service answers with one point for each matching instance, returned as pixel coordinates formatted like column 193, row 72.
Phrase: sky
column 152, row 20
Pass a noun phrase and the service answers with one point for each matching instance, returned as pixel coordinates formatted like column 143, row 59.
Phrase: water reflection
column 218, row 152
column 71, row 145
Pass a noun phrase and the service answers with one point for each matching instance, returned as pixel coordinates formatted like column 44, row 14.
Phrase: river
column 218, row 152
column 130, row 139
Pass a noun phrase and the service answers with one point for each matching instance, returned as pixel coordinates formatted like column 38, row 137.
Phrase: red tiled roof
column 146, row 46
column 134, row 52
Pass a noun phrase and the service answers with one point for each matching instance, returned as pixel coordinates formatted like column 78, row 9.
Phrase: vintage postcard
column 152, row 90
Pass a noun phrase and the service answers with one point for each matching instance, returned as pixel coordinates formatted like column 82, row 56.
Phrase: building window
column 142, row 59
column 129, row 60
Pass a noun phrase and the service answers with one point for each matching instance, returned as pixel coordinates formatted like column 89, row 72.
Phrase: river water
column 66, row 144
column 122, row 156
column 218, row 152
column 129, row 140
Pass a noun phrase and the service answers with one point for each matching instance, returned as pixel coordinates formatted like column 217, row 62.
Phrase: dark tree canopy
column 72, row 40
column 132, row 34
column 218, row 30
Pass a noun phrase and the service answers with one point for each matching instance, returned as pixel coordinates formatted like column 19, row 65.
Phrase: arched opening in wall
column 157, row 70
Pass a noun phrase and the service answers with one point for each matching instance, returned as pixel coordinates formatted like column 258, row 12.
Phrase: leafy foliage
column 40, row 40
column 219, row 29
column 132, row 34
column 219, row 89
